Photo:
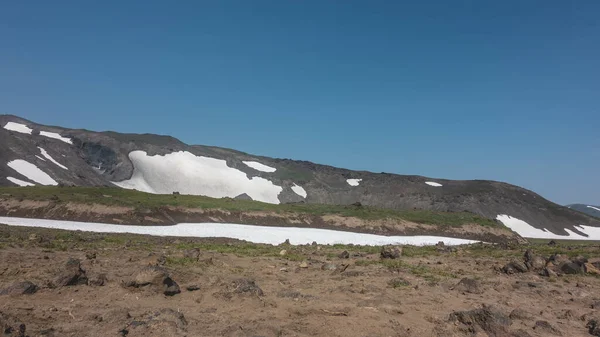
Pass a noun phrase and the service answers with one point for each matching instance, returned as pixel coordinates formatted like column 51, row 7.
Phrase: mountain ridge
column 163, row 164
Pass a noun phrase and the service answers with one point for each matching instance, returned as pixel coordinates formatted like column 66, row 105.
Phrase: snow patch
column 596, row 208
column 31, row 171
column 353, row 182
column 299, row 190
column 259, row 167
column 56, row 136
column 19, row 182
column 256, row 234
column 45, row 154
column 526, row 230
column 18, row 127
column 40, row 158
column 434, row 184
column 187, row 173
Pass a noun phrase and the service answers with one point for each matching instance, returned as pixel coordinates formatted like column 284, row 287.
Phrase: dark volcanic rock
column 391, row 252
column 193, row 254
column 520, row 314
column 515, row 267
column 593, row 327
column 569, row 267
column 157, row 278
column 546, row 328
column 468, row 285
column 246, row 286
column 488, row 319
column 20, row 288
column 98, row 280
column 71, row 274
column 344, row 255
column 534, row 262
column 164, row 322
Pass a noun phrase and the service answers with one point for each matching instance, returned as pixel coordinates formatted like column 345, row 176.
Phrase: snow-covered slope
column 32, row 172
column 163, row 164
column 187, row 173
column 251, row 233
column 527, row 231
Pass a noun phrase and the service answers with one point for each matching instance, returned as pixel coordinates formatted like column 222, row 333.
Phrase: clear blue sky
column 502, row 90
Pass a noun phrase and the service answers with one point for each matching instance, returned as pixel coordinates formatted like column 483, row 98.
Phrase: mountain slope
column 36, row 154
column 587, row 209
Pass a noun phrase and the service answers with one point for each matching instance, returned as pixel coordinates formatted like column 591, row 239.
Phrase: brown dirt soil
column 169, row 215
column 308, row 291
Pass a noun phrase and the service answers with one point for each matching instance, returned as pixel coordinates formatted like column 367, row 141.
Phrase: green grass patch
column 145, row 201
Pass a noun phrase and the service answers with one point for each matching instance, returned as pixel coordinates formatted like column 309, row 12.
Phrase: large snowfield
column 255, row 234
column 527, row 231
column 259, row 167
column 31, row 171
column 56, row 136
column 19, row 182
column 18, row 127
column 187, row 173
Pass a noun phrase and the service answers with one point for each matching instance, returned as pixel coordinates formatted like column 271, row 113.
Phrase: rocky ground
column 56, row 283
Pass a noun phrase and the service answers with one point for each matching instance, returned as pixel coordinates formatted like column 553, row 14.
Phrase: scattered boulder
column 557, row 259
column 593, row 327
column 304, row 264
column 192, row 287
column 90, row 255
column 193, row 254
column 246, row 286
column 547, row 328
column 581, row 260
column 467, row 285
column 344, row 255
column 391, row 252
column 71, row 274
column 534, row 262
column 591, row 269
column 283, row 252
column 164, row 322
column 487, row 319
column 548, row 272
column 98, row 280
column 515, row 267
column 520, row 314
column 569, row 267
column 552, row 243
column 20, row 288
column 155, row 277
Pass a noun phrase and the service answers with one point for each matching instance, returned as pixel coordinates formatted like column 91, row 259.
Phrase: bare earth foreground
column 58, row 283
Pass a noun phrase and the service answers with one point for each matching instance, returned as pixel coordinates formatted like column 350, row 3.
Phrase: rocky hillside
column 34, row 154
column 587, row 209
